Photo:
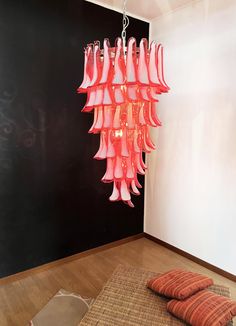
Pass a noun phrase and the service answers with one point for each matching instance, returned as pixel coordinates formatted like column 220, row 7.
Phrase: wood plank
column 29, row 272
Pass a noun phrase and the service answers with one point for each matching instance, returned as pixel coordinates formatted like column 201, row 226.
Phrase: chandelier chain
column 125, row 22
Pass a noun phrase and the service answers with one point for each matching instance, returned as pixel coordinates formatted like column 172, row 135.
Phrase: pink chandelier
column 122, row 85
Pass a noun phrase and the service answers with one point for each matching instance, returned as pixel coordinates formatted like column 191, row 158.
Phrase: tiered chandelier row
column 122, row 86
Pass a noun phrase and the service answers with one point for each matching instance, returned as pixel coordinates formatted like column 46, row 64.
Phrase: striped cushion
column 179, row 284
column 204, row 308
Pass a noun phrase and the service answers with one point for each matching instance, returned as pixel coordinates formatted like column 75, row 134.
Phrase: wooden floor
column 21, row 300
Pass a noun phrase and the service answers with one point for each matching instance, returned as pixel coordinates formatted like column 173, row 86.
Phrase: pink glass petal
column 99, row 95
column 136, row 145
column 144, row 93
column 132, row 93
column 131, row 68
column 108, row 117
column 154, row 115
column 118, row 95
column 106, row 62
column 142, row 63
column 129, row 169
column 118, row 173
column 129, row 203
column 152, row 68
column 130, row 117
column 102, row 152
column 144, row 166
column 138, row 164
column 96, row 65
column 99, row 123
column 115, row 193
column 137, row 183
column 142, row 120
column 107, row 96
column 109, row 175
column 119, row 65
column 95, row 116
column 110, row 146
column 124, row 148
column 134, row 189
column 87, row 69
column 160, row 69
column 153, row 95
column 116, row 121
column 124, row 192
column 148, row 139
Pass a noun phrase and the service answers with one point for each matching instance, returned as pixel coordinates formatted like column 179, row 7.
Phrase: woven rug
column 64, row 309
column 125, row 300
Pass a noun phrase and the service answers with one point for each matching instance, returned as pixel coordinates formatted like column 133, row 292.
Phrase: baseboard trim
column 197, row 260
column 56, row 263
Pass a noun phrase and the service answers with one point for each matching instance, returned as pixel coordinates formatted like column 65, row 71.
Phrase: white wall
column 191, row 182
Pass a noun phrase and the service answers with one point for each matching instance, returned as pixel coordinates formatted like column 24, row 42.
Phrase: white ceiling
column 144, row 9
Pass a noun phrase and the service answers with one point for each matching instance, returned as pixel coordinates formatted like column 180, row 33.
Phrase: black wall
column 52, row 203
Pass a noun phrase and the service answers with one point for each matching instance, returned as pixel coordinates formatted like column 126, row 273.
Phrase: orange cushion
column 204, row 308
column 179, row 284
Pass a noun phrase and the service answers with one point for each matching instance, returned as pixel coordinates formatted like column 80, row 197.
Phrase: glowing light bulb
column 118, row 133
